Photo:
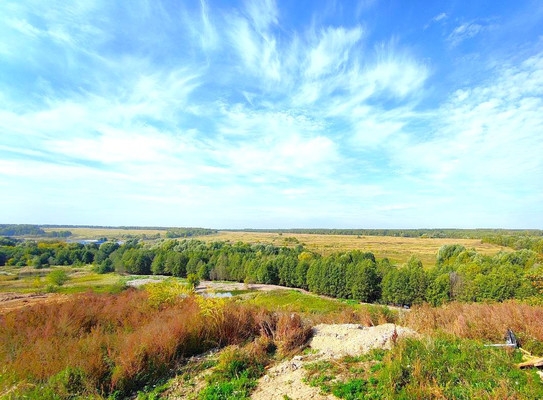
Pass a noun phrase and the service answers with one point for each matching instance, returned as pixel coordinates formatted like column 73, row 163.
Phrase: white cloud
column 240, row 110
column 208, row 37
column 464, row 31
column 263, row 14
column 486, row 140
column 332, row 51
column 440, row 17
column 257, row 50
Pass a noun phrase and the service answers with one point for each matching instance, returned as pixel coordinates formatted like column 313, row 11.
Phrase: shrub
column 166, row 293
column 58, row 277
column 234, row 376
column 193, row 280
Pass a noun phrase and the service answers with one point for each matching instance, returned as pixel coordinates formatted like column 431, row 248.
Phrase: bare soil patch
column 13, row 301
column 286, row 380
column 232, row 286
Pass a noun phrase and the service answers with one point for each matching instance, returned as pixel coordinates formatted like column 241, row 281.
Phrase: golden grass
column 397, row 249
column 110, row 233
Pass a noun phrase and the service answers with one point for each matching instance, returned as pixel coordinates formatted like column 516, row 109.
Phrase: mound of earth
column 336, row 341
column 285, row 380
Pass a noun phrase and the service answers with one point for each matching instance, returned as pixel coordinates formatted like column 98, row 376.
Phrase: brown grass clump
column 285, row 331
column 94, row 345
column 366, row 315
column 487, row 322
column 291, row 333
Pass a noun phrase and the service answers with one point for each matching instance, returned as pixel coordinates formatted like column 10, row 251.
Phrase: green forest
column 459, row 274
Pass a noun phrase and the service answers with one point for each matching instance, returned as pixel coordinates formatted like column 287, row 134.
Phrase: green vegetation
column 136, row 340
column 460, row 274
column 440, row 367
column 236, row 373
column 294, row 301
column 517, row 242
column 188, row 232
column 79, row 280
column 58, row 277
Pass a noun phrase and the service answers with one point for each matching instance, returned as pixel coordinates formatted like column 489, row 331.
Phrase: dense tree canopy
column 460, row 274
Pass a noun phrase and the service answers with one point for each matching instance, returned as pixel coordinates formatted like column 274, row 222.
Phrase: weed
column 235, row 375
column 166, row 293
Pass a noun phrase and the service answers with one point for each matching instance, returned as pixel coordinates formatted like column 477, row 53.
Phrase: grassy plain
column 397, row 249
column 80, row 279
column 110, row 233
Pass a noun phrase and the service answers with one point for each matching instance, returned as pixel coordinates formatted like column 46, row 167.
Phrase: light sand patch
column 329, row 342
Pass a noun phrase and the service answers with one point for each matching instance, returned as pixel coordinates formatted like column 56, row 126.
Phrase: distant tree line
column 21, row 230
column 516, row 242
column 188, row 232
column 37, row 230
column 31, row 230
column 460, row 274
column 429, row 233
column 45, row 253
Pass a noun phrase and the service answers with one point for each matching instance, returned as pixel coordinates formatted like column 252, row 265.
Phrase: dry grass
column 396, row 249
column 487, row 322
column 119, row 343
column 110, row 233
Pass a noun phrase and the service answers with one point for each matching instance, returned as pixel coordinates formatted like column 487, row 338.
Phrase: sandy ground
column 329, row 342
column 230, row 286
column 13, row 301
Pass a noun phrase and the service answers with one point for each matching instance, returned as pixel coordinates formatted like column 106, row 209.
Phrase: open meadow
column 110, row 233
column 397, row 249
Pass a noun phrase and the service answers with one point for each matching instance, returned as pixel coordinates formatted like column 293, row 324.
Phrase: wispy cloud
column 184, row 109
column 440, row 17
column 485, row 143
column 465, row 31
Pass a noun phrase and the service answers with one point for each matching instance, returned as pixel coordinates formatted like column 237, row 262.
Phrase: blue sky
column 272, row 114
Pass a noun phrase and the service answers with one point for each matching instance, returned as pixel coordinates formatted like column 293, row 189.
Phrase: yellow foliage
column 166, row 292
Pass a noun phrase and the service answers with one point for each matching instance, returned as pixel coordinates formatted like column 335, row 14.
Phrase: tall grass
column 96, row 345
column 487, row 322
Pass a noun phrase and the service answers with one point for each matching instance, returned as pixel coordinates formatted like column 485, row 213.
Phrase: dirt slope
column 328, row 342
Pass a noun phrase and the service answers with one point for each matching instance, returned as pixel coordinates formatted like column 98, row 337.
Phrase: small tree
column 58, row 277
column 193, row 280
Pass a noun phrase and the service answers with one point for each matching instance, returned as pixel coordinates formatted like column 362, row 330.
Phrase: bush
column 193, row 280
column 58, row 277
column 166, row 293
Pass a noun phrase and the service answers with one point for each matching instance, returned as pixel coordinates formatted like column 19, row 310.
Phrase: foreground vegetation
column 436, row 367
column 141, row 341
column 107, row 341
column 117, row 344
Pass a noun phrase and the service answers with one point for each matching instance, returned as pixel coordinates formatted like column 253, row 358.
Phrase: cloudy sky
column 272, row 114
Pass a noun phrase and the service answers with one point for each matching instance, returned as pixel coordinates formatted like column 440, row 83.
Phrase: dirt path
column 231, row 286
